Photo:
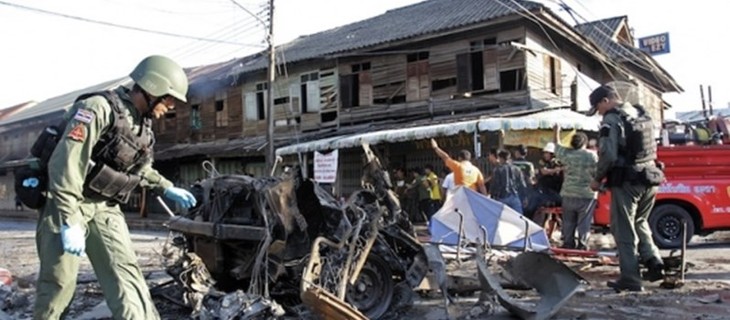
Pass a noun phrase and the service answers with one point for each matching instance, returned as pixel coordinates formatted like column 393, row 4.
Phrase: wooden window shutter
column 491, row 76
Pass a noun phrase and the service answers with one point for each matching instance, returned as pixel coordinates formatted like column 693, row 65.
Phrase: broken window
column 221, row 112
column 553, row 76
column 512, row 80
column 328, row 116
column 476, row 69
column 356, row 89
column 349, row 90
column 195, row 122
column 442, row 84
column 255, row 103
column 310, row 92
column 418, row 79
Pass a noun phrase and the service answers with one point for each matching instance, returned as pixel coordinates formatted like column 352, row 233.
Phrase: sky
column 44, row 55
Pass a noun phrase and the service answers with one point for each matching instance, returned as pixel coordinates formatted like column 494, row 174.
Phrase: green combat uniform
column 631, row 201
column 108, row 243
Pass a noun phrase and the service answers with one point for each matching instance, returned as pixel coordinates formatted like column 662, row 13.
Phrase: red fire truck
column 696, row 190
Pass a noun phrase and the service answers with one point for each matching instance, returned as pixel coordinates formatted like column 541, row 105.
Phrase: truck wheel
column 666, row 225
column 372, row 293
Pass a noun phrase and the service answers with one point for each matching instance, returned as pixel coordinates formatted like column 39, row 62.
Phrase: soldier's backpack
column 31, row 182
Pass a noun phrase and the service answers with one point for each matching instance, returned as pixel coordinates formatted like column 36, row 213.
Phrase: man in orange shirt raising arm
column 465, row 173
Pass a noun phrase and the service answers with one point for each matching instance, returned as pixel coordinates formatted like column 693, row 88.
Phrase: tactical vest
column 117, row 157
column 640, row 146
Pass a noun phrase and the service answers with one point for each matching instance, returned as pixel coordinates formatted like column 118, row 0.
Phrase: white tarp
column 542, row 120
column 473, row 217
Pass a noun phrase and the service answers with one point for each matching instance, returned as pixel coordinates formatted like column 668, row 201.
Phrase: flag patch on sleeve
column 84, row 116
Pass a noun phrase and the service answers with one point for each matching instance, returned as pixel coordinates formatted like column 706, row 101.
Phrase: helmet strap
column 151, row 103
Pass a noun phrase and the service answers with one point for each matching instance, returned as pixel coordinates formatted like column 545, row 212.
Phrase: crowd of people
column 622, row 160
column 562, row 176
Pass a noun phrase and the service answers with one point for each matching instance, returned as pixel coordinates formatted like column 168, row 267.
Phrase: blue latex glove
column 183, row 197
column 74, row 239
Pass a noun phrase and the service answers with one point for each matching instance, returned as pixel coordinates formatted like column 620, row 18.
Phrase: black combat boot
column 655, row 270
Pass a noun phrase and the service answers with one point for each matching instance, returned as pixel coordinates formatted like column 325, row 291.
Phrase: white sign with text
column 325, row 167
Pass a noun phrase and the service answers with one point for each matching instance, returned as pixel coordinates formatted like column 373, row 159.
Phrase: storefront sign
column 535, row 138
column 656, row 44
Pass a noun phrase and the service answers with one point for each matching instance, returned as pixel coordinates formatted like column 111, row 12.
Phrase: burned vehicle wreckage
column 288, row 241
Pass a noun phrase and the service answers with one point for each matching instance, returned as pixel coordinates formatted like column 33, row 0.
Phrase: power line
column 241, row 30
column 634, row 57
column 263, row 23
column 121, row 26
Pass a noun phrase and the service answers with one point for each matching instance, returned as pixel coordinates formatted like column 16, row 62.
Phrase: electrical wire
column 602, row 28
column 617, row 65
column 635, row 58
column 116, row 25
column 263, row 23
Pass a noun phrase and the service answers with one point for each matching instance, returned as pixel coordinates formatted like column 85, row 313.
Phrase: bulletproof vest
column 640, row 144
column 120, row 148
column 119, row 155
column 116, row 159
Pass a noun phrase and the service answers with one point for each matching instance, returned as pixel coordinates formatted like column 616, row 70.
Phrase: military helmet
column 160, row 76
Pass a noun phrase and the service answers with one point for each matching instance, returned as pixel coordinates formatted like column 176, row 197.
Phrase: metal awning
column 545, row 120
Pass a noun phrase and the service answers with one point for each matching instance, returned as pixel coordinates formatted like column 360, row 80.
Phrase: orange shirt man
column 465, row 173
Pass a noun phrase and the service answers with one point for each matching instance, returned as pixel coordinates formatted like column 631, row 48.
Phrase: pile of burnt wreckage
column 283, row 247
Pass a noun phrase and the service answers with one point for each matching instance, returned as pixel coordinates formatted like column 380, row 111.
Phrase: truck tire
column 374, row 288
column 666, row 225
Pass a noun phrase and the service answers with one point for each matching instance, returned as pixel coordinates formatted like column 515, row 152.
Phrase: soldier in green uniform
column 627, row 154
column 105, row 151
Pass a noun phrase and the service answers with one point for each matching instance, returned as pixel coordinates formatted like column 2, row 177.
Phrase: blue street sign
column 656, row 44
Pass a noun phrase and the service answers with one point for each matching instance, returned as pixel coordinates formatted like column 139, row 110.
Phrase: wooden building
column 433, row 62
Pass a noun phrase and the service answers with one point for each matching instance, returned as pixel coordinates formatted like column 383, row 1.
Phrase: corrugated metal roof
column 602, row 33
column 423, row 18
column 62, row 102
column 699, row 115
column 7, row 112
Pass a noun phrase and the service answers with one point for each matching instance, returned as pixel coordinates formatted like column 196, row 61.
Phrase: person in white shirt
column 448, row 184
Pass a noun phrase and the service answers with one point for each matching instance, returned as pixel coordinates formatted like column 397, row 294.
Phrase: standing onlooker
column 627, row 159
column 465, row 173
column 546, row 192
column 592, row 146
column 448, row 183
column 421, row 193
column 507, row 180
column 405, row 195
column 579, row 165
column 520, row 160
column 446, row 186
column 493, row 162
column 434, row 188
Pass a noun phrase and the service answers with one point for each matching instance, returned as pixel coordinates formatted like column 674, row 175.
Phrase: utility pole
column 704, row 107
column 270, row 156
column 709, row 98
